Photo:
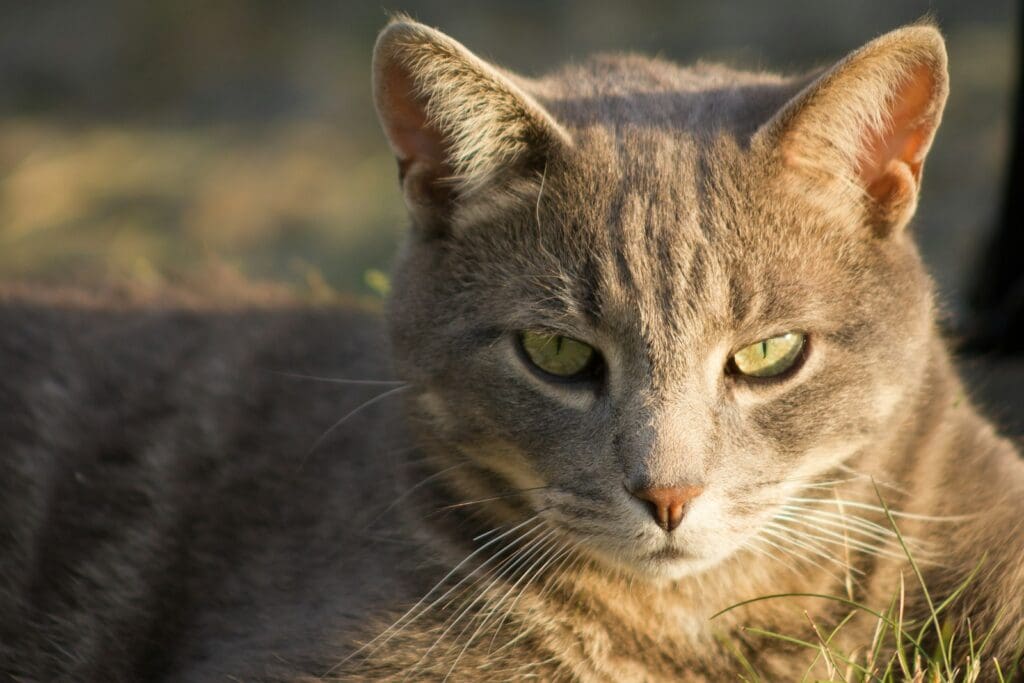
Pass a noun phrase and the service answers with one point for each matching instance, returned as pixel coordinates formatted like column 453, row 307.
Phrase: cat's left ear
column 856, row 137
column 460, row 127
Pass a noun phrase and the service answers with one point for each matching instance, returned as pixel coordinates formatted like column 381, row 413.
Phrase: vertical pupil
column 764, row 349
column 558, row 344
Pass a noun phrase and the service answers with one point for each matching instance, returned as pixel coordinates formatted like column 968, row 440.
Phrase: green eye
column 770, row 357
column 557, row 355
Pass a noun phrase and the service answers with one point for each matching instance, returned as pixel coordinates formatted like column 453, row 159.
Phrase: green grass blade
column 727, row 643
column 803, row 643
column 920, row 577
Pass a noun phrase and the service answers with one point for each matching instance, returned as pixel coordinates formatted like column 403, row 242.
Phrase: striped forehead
column 654, row 272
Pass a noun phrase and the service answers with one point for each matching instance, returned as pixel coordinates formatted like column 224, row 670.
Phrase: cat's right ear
column 855, row 138
column 457, row 125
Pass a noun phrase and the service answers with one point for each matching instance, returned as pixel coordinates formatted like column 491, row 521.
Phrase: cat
column 659, row 345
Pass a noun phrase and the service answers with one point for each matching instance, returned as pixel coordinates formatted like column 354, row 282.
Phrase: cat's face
column 650, row 255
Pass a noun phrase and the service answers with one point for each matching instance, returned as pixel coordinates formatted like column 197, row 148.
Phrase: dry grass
column 145, row 205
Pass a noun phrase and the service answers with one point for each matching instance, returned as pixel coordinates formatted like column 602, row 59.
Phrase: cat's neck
column 937, row 446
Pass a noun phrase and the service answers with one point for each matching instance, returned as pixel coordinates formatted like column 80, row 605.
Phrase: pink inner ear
column 416, row 142
column 902, row 145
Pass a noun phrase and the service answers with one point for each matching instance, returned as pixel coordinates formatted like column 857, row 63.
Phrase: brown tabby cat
column 665, row 345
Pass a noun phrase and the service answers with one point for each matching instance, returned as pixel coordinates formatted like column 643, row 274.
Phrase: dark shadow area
column 997, row 299
column 993, row 335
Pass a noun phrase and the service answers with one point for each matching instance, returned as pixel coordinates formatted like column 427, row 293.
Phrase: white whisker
column 831, row 537
column 527, row 575
column 790, row 552
column 347, row 382
column 854, row 520
column 881, row 510
column 415, row 487
column 417, row 609
column 814, row 521
column 549, row 556
column 521, row 555
column 751, row 544
column 355, row 411
column 558, row 576
column 786, row 534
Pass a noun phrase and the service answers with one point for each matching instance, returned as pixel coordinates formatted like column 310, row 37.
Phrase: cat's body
column 161, row 495
column 183, row 506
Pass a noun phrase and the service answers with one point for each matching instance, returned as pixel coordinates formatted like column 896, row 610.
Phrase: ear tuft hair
column 455, row 123
column 860, row 132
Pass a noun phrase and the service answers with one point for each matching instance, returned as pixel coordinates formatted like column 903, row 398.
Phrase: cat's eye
column 559, row 356
column 770, row 357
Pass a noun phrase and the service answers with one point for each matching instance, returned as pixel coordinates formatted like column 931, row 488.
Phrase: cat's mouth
column 669, row 553
column 672, row 561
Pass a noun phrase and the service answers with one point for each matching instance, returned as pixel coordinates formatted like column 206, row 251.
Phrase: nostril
column 668, row 504
column 660, row 514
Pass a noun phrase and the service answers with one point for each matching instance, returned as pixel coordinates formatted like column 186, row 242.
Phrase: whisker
column 543, row 552
column 504, row 549
column 784, row 533
column 558, row 576
column 549, row 585
column 546, row 558
column 522, row 554
column 830, row 537
column 786, row 551
column 856, row 520
column 417, row 609
column 887, row 538
column 876, row 508
column 468, row 503
column 827, row 484
column 789, row 552
column 806, row 518
column 872, row 478
column 508, row 563
column 486, row 533
column 751, row 544
column 355, row 411
column 338, row 380
column 412, row 489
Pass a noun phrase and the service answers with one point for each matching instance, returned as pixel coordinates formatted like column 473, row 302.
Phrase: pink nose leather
column 668, row 504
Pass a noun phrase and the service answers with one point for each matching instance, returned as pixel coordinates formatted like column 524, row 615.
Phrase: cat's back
column 174, row 474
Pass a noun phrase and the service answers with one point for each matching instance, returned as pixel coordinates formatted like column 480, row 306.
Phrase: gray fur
column 168, row 519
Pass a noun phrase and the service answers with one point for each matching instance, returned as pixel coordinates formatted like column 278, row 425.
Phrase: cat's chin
column 663, row 565
column 673, row 568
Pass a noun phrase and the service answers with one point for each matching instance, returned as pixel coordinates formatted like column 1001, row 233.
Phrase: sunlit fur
column 671, row 217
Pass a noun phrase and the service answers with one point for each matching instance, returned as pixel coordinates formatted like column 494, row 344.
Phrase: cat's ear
column 856, row 137
column 456, row 124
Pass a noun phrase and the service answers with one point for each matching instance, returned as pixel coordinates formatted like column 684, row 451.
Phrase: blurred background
column 167, row 138
column 183, row 140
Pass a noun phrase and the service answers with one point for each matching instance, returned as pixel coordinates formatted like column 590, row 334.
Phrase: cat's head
column 658, row 300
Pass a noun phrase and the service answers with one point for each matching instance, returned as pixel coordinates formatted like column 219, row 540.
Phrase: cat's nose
column 668, row 504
